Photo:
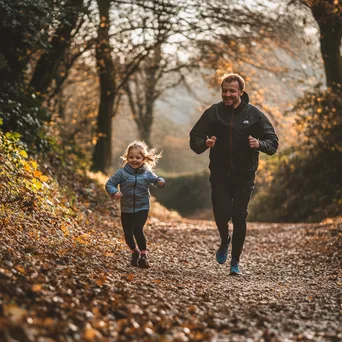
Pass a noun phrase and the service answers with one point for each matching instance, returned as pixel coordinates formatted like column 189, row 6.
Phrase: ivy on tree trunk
column 47, row 66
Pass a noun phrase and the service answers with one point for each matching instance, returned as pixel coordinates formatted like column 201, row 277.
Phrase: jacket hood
column 245, row 97
column 130, row 169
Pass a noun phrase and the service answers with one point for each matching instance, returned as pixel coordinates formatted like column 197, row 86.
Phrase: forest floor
column 290, row 289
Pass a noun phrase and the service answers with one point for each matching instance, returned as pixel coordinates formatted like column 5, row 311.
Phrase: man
column 235, row 131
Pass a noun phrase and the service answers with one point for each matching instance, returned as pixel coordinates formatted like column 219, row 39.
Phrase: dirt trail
column 290, row 289
column 87, row 291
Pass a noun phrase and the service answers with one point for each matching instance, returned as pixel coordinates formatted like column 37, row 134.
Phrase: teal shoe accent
column 234, row 268
column 222, row 253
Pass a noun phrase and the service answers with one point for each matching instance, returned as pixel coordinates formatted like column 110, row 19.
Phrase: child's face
column 135, row 159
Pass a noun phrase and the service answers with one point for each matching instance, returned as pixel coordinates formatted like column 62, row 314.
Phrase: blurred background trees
column 307, row 182
column 90, row 76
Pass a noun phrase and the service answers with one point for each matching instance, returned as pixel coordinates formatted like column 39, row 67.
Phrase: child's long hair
column 150, row 155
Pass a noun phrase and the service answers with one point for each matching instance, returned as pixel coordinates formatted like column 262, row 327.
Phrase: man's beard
column 231, row 102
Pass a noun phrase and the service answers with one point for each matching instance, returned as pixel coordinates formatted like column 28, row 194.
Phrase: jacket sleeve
column 154, row 179
column 199, row 134
column 268, row 138
column 113, row 182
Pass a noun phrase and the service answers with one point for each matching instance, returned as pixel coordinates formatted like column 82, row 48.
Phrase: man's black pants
column 230, row 195
column 133, row 226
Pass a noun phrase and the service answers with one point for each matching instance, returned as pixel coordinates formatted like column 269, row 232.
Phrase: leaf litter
column 65, row 275
column 290, row 290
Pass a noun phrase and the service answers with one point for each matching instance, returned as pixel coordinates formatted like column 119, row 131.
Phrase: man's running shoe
column 222, row 253
column 234, row 268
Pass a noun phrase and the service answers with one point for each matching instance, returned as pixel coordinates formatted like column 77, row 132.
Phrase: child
column 134, row 179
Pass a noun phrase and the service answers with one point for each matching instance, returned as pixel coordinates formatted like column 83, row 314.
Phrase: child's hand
column 118, row 195
column 161, row 183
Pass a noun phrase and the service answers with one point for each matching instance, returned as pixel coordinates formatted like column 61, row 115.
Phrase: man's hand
column 211, row 142
column 253, row 142
column 117, row 195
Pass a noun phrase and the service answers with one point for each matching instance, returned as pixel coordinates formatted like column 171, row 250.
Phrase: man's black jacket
column 232, row 127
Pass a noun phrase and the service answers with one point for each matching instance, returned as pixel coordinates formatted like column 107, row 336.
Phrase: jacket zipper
column 135, row 185
column 231, row 141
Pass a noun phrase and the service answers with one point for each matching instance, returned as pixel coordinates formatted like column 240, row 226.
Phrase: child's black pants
column 133, row 226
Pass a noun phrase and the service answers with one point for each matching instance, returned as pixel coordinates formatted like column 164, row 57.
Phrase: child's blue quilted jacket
column 134, row 185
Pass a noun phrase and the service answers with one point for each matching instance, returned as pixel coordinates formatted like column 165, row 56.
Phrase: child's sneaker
column 135, row 258
column 143, row 261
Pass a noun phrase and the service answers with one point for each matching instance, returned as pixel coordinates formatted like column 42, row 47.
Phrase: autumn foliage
column 47, row 229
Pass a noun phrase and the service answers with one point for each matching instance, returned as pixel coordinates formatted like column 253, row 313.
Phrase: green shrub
column 22, row 113
column 303, row 189
column 24, row 25
column 307, row 183
column 185, row 193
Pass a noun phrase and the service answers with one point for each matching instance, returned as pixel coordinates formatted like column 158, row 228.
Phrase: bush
column 22, row 113
column 24, row 25
column 23, row 29
column 185, row 193
column 307, row 184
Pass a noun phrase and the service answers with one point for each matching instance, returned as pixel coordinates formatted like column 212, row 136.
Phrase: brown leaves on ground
column 290, row 289
column 65, row 273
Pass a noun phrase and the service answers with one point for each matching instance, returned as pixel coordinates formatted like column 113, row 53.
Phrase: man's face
column 231, row 94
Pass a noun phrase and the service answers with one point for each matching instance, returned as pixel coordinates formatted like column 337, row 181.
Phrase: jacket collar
column 130, row 169
column 242, row 105
column 238, row 109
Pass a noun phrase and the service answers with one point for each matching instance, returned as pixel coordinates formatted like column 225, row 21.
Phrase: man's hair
column 234, row 77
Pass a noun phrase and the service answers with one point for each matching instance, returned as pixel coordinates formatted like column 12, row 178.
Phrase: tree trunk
column 48, row 64
column 328, row 17
column 145, row 126
column 102, row 157
column 142, row 104
column 153, row 66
